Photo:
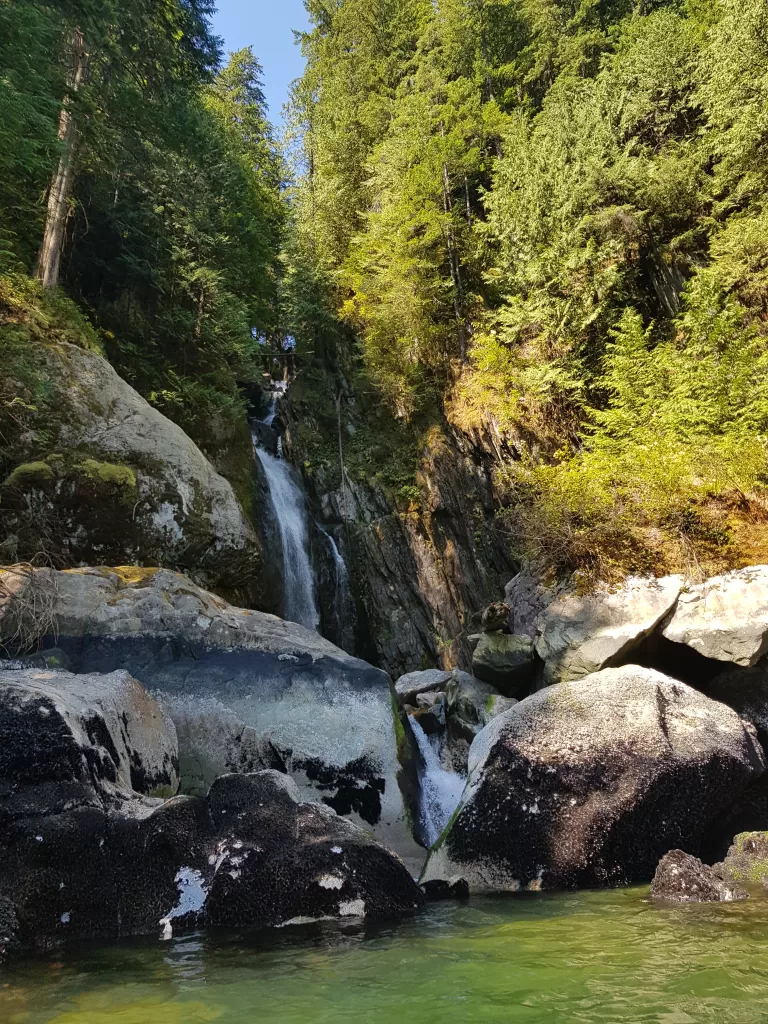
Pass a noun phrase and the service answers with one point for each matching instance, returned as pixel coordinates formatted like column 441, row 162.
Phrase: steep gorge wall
column 423, row 569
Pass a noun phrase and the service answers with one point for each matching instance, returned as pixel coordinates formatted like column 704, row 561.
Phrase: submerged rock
column 504, row 660
column 590, row 783
column 685, row 879
column 246, row 691
column 577, row 635
column 725, row 618
column 454, row 889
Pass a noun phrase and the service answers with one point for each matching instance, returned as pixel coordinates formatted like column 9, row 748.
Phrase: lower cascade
column 288, row 505
column 440, row 789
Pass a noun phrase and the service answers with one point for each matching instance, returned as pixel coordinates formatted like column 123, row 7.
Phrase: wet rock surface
column 251, row 855
column 682, row 878
column 246, row 691
column 284, row 860
column 591, row 783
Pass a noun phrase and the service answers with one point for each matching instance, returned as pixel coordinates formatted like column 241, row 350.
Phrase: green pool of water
column 599, row 956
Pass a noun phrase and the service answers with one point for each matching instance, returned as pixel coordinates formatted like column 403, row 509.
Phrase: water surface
column 585, row 957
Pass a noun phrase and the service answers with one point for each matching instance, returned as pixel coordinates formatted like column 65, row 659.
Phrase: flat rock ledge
column 725, row 618
column 578, row 635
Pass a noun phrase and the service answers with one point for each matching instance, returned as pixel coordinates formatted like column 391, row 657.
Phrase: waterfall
column 279, row 389
column 440, row 790
column 343, row 606
column 289, row 508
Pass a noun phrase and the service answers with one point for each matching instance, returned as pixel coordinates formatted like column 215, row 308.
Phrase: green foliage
column 550, row 225
column 176, row 216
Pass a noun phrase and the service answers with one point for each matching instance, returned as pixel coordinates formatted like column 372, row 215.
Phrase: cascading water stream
column 440, row 789
column 289, row 509
column 343, row 606
column 280, row 387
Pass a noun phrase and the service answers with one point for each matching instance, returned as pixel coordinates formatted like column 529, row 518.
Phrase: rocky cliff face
column 421, row 569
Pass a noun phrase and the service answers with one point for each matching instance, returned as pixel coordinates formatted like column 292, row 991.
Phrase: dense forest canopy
column 172, row 223
column 547, row 218
column 539, row 221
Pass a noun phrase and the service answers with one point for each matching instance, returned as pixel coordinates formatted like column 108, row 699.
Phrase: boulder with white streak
column 251, row 854
column 246, row 691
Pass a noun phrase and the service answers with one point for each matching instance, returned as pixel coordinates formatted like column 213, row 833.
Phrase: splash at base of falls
column 440, row 789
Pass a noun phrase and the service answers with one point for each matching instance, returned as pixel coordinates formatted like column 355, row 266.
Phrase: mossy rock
column 29, row 475
column 110, row 474
column 49, row 474
column 747, row 859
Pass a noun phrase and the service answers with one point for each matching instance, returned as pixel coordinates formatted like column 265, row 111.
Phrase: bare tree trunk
column 454, row 265
column 49, row 257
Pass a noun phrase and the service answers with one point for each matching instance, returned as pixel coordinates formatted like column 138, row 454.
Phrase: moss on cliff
column 109, row 474
column 29, row 475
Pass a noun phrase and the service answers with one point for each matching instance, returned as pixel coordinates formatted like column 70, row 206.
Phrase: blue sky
column 266, row 26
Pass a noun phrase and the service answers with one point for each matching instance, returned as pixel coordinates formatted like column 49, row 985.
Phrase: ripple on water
column 590, row 957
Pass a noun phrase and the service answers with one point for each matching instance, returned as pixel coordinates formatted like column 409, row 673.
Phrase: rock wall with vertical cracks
column 419, row 576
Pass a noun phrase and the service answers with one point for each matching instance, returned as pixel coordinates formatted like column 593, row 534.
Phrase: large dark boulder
column 591, row 783
column 682, row 878
column 71, row 741
column 251, row 855
column 282, row 860
column 9, row 926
